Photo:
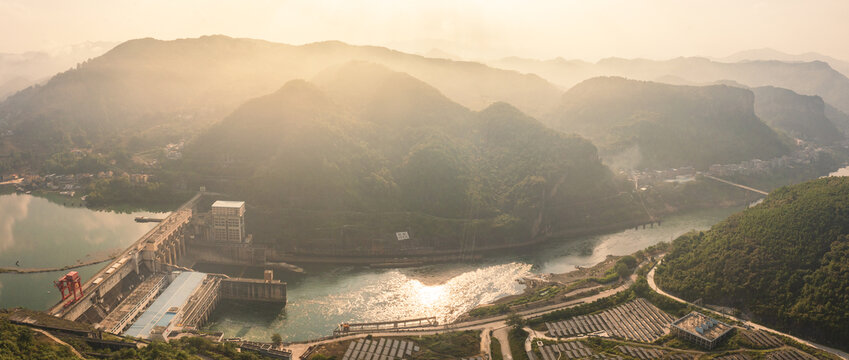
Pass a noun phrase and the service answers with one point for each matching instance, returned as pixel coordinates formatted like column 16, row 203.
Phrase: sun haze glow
column 471, row 29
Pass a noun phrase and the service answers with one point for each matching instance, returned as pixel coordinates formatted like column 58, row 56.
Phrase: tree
column 622, row 270
column 515, row 321
column 276, row 339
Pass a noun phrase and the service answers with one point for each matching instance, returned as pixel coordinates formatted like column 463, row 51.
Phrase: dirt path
column 45, row 333
column 502, row 335
column 485, row 343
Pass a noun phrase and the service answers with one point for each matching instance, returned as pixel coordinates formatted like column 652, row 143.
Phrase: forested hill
column 645, row 124
column 800, row 116
column 152, row 91
column 785, row 261
column 368, row 152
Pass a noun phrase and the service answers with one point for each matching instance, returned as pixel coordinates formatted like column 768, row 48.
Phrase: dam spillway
column 145, row 293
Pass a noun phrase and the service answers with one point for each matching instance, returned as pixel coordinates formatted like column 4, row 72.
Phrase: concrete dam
column 145, row 292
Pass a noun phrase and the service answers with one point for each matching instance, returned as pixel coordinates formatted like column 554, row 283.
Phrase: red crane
column 69, row 285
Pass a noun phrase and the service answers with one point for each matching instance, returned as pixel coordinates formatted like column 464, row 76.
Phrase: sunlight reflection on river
column 324, row 297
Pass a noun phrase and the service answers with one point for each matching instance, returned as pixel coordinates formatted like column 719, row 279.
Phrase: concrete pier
column 270, row 291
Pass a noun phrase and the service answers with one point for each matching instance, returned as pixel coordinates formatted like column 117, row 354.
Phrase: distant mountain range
column 146, row 93
column 18, row 71
column 364, row 152
column 784, row 262
column 639, row 124
column 771, row 54
column 807, row 78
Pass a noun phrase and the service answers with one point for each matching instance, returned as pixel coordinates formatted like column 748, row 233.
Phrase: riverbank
column 327, row 295
column 421, row 257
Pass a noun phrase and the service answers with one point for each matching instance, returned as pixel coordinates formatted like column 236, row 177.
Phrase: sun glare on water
column 428, row 296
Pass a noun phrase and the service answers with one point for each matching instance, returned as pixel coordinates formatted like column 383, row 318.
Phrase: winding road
column 653, row 285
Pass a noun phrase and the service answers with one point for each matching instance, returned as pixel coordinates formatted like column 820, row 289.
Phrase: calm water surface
column 325, row 297
column 42, row 234
column 38, row 233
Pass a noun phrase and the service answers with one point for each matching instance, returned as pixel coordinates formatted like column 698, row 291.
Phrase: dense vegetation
column 369, row 152
column 121, row 191
column 783, row 261
column 639, row 124
column 447, row 345
column 18, row 342
column 187, row 348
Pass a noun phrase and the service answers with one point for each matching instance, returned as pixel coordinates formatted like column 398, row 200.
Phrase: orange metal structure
column 70, row 286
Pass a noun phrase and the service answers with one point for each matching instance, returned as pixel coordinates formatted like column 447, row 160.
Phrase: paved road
column 650, row 278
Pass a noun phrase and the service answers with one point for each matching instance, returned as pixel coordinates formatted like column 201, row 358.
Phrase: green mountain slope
column 160, row 90
column 667, row 125
column 368, row 152
column 785, row 261
column 798, row 115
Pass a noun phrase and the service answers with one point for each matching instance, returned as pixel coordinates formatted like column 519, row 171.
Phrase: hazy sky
column 588, row 29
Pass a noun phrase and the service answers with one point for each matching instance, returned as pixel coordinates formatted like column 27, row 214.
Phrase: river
column 324, row 297
column 38, row 233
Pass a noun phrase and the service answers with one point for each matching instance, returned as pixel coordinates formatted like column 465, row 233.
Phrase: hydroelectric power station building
column 147, row 292
column 701, row 330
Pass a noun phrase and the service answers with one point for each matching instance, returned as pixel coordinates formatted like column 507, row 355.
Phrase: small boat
column 144, row 219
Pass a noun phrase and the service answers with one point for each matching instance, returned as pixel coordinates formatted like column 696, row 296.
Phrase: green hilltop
column 785, row 262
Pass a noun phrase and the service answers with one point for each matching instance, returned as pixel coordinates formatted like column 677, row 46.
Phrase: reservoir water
column 39, row 233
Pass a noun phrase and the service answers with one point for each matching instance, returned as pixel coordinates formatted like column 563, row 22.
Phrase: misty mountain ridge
column 18, row 71
column 807, row 78
column 153, row 88
column 668, row 125
column 394, row 153
column 771, row 54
